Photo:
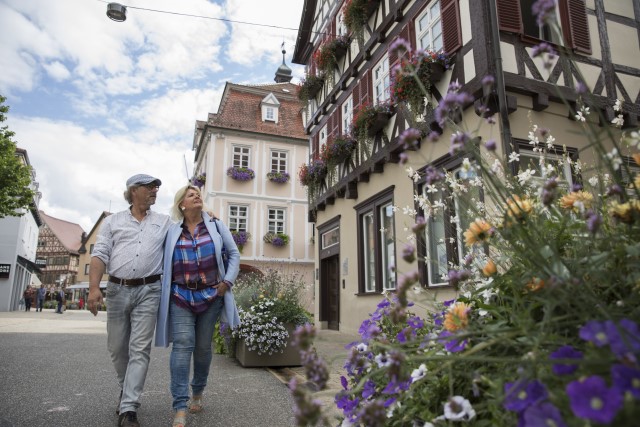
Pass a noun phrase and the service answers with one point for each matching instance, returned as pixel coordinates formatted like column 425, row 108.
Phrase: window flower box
column 327, row 56
column 356, row 15
column 369, row 120
column 278, row 177
column 276, row 239
column 241, row 173
column 338, row 151
column 310, row 86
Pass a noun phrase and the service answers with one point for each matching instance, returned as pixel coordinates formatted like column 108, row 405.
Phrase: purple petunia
column 452, row 344
column 521, row 394
column 369, row 389
column 595, row 332
column 565, row 352
column 624, row 339
column 591, row 399
column 344, row 382
column 415, row 322
column 626, row 379
column 541, row 414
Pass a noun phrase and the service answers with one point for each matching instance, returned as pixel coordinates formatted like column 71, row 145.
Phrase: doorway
column 330, row 291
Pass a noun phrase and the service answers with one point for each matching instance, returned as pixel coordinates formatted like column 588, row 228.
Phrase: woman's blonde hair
column 176, row 212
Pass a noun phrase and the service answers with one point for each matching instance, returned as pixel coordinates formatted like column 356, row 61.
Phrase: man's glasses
column 151, row 186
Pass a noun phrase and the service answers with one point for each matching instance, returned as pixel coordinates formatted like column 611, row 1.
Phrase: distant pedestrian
column 42, row 292
column 129, row 248
column 28, row 298
column 60, row 300
column 81, row 303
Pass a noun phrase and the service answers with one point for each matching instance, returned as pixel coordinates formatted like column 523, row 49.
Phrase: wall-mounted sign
column 41, row 262
column 5, row 269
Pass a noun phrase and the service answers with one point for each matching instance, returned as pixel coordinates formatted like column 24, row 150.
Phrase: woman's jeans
column 131, row 320
column 192, row 335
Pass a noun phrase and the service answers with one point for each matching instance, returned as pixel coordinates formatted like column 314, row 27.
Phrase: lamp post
column 117, row 12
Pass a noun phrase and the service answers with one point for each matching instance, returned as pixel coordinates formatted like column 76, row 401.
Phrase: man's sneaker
column 128, row 419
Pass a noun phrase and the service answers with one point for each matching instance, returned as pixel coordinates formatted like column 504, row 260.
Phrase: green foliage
column 310, row 86
column 15, row 177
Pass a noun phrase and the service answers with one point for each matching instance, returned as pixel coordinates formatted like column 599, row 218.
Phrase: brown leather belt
column 135, row 282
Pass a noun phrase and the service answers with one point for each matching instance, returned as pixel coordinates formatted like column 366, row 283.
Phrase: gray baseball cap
column 142, row 179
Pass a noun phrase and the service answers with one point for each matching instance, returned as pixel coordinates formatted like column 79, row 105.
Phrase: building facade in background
column 359, row 229
column 18, row 242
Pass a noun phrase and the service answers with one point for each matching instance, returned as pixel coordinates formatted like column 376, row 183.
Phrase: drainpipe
column 505, row 127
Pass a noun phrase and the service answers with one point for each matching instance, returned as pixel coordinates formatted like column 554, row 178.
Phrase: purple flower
column 420, row 224
column 368, row 330
column 541, row 48
column 409, row 138
column 490, row 145
column 581, row 88
column 394, row 386
column 521, row 394
column 453, row 102
column 369, row 389
column 594, row 221
column 626, row 379
column 409, row 253
column 565, row 352
column 541, row 414
column 488, row 81
column 399, row 47
column 591, row 399
column 457, row 276
column 595, row 332
column 344, row 382
column 415, row 322
column 433, row 175
column 624, row 338
column 543, row 10
column 241, row 173
column 373, row 414
column 451, row 344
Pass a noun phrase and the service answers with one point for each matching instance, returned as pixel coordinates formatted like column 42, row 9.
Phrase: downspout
column 505, row 127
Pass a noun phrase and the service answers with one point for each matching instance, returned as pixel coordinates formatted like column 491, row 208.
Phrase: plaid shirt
column 194, row 260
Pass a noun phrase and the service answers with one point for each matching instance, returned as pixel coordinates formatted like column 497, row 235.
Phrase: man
column 60, row 299
column 42, row 292
column 129, row 248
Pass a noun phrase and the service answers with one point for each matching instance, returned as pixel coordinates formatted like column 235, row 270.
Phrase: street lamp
column 117, row 12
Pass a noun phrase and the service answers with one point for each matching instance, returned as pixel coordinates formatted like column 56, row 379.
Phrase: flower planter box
column 378, row 123
column 437, row 71
column 251, row 359
column 340, row 52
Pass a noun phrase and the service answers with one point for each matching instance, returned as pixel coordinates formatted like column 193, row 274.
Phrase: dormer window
column 269, row 106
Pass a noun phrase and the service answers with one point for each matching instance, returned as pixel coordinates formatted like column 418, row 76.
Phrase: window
column 278, row 161
column 429, row 28
column 381, row 81
column 347, row 115
column 555, row 162
column 91, row 248
column 451, row 215
column 276, row 220
column 86, row 269
column 628, row 170
column 516, row 17
column 269, row 114
column 376, row 243
column 241, row 156
column 322, row 138
column 42, row 242
column 341, row 27
column 238, row 216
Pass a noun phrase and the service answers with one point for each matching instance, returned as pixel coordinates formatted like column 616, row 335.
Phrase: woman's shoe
column 195, row 405
column 179, row 419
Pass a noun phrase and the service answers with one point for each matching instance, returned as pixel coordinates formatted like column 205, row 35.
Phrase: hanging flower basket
column 199, row 180
column 338, row 151
column 327, row 56
column 278, row 177
column 240, row 173
column 241, row 238
column 356, row 15
column 310, row 86
column 369, row 120
column 312, row 173
column 276, row 239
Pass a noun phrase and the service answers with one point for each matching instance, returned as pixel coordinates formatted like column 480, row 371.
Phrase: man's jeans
column 131, row 320
column 192, row 335
column 40, row 303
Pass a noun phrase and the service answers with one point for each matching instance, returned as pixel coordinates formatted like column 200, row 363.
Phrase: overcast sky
column 95, row 101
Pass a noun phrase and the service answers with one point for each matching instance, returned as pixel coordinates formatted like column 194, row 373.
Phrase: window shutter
column 573, row 14
column 409, row 36
column 315, row 145
column 510, row 16
column 365, row 88
column 335, row 130
column 356, row 96
column 451, row 31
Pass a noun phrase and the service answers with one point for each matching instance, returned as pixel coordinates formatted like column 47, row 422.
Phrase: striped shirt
column 132, row 249
column 194, row 260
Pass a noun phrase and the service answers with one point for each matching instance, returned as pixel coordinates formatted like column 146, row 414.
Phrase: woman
column 196, row 291
column 28, row 298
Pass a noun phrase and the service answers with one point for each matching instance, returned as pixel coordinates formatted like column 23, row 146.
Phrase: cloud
column 57, row 71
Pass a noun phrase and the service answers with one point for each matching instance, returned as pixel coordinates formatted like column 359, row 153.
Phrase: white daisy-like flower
column 618, row 121
column 593, row 181
column 408, row 210
column 383, row 360
column 617, row 106
column 614, row 157
column 533, row 139
column 579, row 117
column 514, row 157
column 525, row 176
column 466, row 164
column 362, row 347
column 418, row 374
column 431, row 189
column 459, row 409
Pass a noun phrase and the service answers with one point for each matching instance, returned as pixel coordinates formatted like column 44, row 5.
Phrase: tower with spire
column 283, row 74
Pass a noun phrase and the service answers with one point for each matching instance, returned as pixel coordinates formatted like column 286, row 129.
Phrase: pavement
column 55, row 371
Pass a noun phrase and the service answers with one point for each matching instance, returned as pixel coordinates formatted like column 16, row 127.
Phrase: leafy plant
column 310, row 86
column 356, row 15
column 338, row 150
column 278, row 177
column 241, row 238
column 276, row 239
column 199, row 180
column 240, row 173
column 327, row 56
column 366, row 116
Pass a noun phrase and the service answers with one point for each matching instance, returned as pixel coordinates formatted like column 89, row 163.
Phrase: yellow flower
column 624, row 211
column 479, row 231
column 517, row 208
column 568, row 201
column 489, row 269
column 457, row 317
column 636, row 157
column 535, row 284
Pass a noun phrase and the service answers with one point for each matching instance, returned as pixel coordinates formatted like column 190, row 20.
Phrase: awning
column 29, row 265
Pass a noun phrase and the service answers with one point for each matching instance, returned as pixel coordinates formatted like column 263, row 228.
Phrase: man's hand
column 94, row 298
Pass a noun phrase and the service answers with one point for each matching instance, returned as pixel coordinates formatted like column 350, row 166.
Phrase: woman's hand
column 222, row 288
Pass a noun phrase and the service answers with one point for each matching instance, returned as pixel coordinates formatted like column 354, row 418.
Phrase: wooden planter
column 251, row 359
column 437, row 71
column 379, row 122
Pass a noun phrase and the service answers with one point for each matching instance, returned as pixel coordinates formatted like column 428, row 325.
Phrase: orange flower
column 489, row 269
column 457, row 317
column 636, row 157
column 479, row 231
column 568, row 201
column 535, row 284
column 518, row 208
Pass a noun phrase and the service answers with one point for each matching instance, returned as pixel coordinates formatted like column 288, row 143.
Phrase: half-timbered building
column 354, row 208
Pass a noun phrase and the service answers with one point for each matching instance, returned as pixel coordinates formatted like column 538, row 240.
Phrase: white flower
column 632, row 139
column 414, row 175
column 496, row 167
column 514, row 157
column 550, row 140
column 614, row 157
column 618, row 121
column 431, row 189
column 617, row 106
column 408, row 210
column 593, row 181
column 466, row 164
column 382, row 360
column 582, row 114
column 419, row 373
column 362, row 347
column 458, row 409
column 533, row 139
column 525, row 176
